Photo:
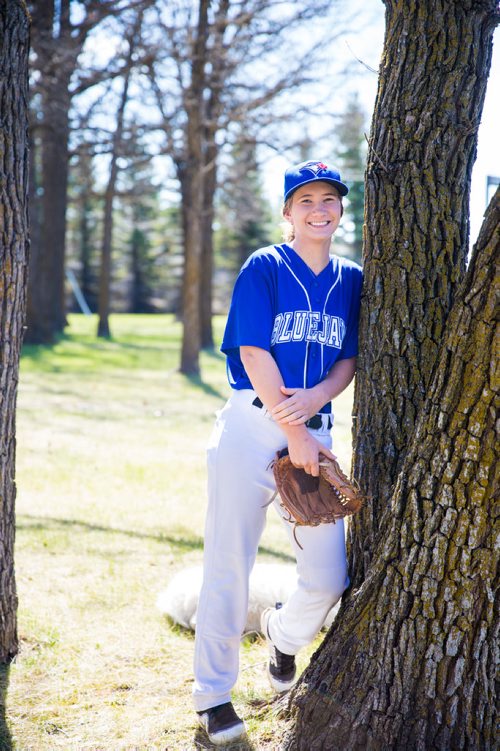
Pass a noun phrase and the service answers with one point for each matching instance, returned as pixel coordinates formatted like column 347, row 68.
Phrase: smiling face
column 314, row 211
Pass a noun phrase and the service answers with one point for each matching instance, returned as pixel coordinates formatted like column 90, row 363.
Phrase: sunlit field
column 110, row 505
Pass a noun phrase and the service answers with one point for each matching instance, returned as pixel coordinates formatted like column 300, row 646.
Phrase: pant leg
column 322, row 578
column 240, row 484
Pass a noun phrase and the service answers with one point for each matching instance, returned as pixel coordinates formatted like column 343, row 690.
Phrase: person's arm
column 266, row 380
column 304, row 403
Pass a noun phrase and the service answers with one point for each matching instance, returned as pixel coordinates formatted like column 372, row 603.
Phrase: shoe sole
column 224, row 736
column 280, row 686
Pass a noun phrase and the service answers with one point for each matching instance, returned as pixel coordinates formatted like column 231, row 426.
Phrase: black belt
column 315, row 423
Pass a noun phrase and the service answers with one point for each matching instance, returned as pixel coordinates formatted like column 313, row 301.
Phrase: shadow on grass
column 199, row 383
column 182, row 543
column 101, row 355
column 214, row 352
column 5, row 736
column 46, row 523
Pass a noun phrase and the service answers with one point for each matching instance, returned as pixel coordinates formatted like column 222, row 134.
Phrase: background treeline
column 152, row 127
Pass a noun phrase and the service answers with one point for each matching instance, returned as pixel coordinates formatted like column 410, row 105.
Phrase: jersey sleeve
column 350, row 341
column 250, row 318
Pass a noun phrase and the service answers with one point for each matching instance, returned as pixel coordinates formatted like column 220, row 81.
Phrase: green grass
column 111, row 498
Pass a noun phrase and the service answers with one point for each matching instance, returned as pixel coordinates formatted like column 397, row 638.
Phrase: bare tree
column 14, row 47
column 208, row 75
column 103, row 329
column 57, row 41
column 190, row 171
column 410, row 661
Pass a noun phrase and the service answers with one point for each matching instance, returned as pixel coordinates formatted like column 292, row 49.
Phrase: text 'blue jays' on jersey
column 306, row 321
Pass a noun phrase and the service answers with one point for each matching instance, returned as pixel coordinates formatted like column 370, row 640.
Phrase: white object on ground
column 269, row 583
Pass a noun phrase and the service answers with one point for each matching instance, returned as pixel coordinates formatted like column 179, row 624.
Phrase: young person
column 291, row 346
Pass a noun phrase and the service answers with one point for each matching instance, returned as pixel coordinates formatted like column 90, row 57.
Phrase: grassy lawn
column 111, row 499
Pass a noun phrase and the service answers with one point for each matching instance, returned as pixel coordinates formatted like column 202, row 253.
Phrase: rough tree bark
column 14, row 48
column 411, row 661
column 432, row 84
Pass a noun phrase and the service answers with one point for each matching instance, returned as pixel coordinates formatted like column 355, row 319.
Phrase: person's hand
column 300, row 406
column 304, row 451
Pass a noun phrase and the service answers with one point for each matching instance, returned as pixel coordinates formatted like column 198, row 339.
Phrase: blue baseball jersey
column 306, row 321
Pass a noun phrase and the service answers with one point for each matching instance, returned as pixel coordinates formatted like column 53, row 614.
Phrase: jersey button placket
column 315, row 292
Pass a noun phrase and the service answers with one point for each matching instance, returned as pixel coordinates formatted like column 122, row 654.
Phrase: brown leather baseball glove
column 309, row 500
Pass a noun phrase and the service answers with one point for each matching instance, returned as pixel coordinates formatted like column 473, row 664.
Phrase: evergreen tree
column 350, row 157
column 145, row 244
column 243, row 217
column 142, row 266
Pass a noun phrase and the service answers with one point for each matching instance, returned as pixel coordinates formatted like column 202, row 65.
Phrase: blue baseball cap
column 311, row 172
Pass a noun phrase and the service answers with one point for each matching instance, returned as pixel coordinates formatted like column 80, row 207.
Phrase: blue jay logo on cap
column 314, row 167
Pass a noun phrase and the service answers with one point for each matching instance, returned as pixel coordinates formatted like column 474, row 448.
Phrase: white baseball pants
column 240, row 485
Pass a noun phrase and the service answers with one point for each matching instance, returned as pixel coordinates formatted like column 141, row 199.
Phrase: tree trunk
column 410, row 662
column 55, row 148
column 86, row 277
column 46, row 309
column 213, row 111
column 192, row 178
column 207, row 256
column 192, row 192
column 14, row 48
column 433, row 77
column 103, row 329
column 34, row 219
column 137, row 285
